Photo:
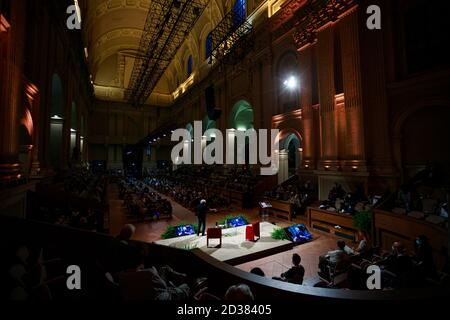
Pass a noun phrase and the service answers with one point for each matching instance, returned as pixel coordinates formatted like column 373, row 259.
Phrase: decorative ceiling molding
column 285, row 13
column 315, row 15
column 118, row 33
column 130, row 49
column 107, row 6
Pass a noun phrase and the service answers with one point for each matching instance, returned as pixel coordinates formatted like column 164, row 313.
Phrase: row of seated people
column 28, row 273
column 86, row 185
column 187, row 192
column 75, row 218
column 301, row 195
column 236, row 178
column 67, row 215
column 141, row 202
column 425, row 196
column 32, row 272
column 347, row 202
column 79, row 202
column 129, row 276
column 241, row 179
column 399, row 269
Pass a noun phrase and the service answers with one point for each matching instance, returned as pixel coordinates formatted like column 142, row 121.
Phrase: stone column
column 11, row 95
column 283, row 169
column 325, row 75
column 380, row 142
column 351, row 70
column 305, row 65
column 33, row 97
column 299, row 156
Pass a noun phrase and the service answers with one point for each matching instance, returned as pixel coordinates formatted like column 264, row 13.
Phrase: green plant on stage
column 362, row 220
column 169, row 233
column 190, row 246
column 279, row 234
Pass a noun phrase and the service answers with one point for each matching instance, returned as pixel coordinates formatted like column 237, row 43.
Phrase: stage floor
column 235, row 249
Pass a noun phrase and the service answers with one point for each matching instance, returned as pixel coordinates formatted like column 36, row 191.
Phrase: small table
column 214, row 233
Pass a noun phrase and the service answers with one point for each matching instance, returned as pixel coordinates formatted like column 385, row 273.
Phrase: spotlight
column 291, row 83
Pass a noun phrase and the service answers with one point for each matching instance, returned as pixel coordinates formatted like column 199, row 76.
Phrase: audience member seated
column 186, row 190
column 141, row 202
column 164, row 284
column 400, row 264
column 158, row 283
column 339, row 260
column 296, row 273
column 121, row 252
column 301, row 195
column 76, row 200
column 424, row 196
column 258, row 272
column 27, row 276
column 423, row 257
column 240, row 292
column 347, row 202
column 364, row 247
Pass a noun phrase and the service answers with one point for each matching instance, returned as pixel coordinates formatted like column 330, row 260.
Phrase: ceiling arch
column 112, row 30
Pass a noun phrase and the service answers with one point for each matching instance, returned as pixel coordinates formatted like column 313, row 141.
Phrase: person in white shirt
column 339, row 258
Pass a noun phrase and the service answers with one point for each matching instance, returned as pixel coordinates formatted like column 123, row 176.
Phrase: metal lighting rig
column 232, row 37
column 168, row 24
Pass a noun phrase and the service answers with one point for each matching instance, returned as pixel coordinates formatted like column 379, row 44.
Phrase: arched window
column 239, row 10
column 289, row 81
column 189, row 66
column 208, row 45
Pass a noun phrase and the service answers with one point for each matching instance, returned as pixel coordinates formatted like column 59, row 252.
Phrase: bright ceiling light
column 291, row 83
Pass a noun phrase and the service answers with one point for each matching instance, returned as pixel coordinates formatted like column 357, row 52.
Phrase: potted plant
column 362, row 221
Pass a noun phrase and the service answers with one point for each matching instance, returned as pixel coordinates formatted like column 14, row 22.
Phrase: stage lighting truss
column 233, row 37
column 168, row 24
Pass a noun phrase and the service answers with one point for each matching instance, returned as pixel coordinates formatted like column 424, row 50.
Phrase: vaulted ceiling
column 112, row 30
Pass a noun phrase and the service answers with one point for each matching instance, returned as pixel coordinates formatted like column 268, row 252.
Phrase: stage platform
column 235, row 249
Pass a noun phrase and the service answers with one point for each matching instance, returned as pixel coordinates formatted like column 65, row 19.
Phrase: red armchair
column 256, row 230
column 214, row 233
column 252, row 231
